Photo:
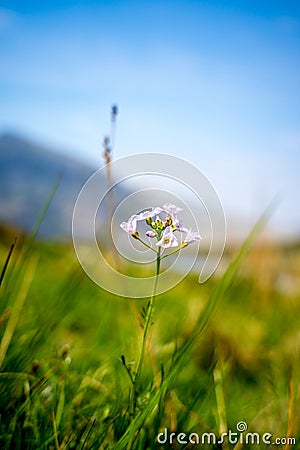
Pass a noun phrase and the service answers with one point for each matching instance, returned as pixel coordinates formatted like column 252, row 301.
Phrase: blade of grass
column 7, row 260
column 220, row 401
column 57, row 446
column 87, row 432
column 61, row 404
column 220, row 290
column 43, row 212
column 15, row 275
column 291, row 399
column 17, row 308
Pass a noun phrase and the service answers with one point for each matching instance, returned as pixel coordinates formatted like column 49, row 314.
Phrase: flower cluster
column 163, row 229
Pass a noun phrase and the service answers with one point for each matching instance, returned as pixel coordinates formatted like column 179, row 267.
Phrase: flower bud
column 168, row 220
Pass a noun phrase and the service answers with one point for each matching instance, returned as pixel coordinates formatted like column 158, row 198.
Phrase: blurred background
column 213, row 82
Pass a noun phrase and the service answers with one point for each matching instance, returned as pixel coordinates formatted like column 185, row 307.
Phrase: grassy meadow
column 219, row 353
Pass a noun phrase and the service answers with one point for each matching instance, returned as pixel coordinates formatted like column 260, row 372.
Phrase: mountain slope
column 28, row 173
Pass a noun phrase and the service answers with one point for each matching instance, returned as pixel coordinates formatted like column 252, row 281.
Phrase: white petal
column 169, row 236
column 144, row 215
column 192, row 236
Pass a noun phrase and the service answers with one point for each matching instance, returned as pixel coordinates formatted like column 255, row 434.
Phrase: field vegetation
column 219, row 353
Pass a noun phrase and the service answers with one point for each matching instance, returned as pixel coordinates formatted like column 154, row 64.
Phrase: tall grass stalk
column 108, row 145
column 15, row 275
column 291, row 400
column 7, row 260
column 57, row 446
column 17, row 308
column 220, row 401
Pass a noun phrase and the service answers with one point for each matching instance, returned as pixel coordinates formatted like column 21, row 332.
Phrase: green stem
column 150, row 307
column 145, row 243
column 174, row 251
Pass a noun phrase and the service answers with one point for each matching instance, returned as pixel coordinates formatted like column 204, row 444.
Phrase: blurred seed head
column 35, row 366
column 114, row 112
column 64, row 353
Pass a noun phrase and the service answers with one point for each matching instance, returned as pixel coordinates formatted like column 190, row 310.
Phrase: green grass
column 219, row 353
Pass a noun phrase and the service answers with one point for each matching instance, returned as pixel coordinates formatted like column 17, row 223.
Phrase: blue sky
column 214, row 82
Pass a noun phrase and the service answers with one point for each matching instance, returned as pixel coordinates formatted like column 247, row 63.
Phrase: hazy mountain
column 28, row 173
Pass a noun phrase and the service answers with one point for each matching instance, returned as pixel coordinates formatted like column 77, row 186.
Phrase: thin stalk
column 145, row 244
column 220, row 400
column 55, row 431
column 174, row 251
column 148, row 318
column 17, row 310
column 291, row 414
column 110, row 193
column 108, row 148
column 7, row 261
